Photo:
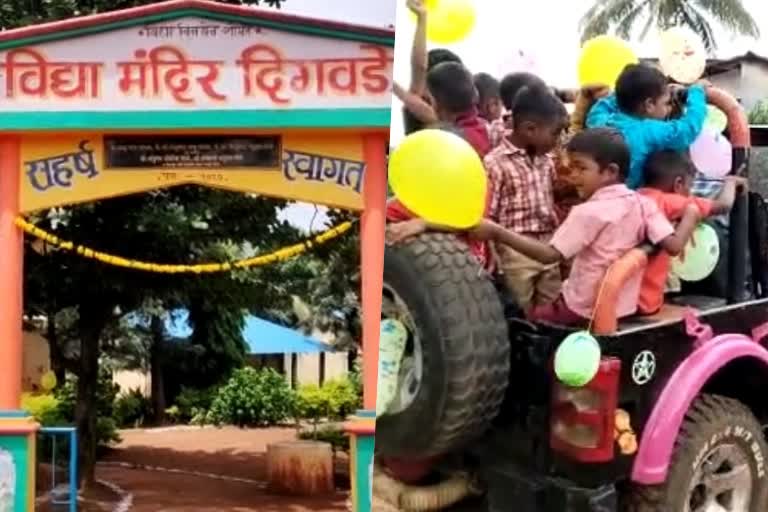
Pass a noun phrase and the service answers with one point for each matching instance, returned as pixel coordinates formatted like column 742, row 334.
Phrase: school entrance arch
column 190, row 91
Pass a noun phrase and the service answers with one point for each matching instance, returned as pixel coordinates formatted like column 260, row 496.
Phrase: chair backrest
column 604, row 319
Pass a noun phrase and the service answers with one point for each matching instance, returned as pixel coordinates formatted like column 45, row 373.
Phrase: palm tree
column 623, row 15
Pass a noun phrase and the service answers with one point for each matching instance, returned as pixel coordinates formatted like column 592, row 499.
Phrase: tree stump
column 300, row 468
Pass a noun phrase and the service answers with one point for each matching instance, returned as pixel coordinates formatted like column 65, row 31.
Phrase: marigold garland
column 283, row 254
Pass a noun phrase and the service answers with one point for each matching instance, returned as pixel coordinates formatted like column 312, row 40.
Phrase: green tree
column 184, row 225
column 330, row 298
column 759, row 113
column 624, row 15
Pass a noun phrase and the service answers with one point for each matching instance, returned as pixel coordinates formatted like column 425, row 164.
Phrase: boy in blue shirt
column 639, row 110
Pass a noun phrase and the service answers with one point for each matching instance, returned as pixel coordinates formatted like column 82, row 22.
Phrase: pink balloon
column 711, row 153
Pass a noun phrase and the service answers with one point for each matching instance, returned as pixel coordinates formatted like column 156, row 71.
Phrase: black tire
column 458, row 317
column 711, row 421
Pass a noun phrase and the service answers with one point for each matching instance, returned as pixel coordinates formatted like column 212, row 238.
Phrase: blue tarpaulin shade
column 264, row 337
column 261, row 336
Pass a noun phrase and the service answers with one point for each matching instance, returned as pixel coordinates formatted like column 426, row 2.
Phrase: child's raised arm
column 420, row 109
column 419, row 50
column 679, row 134
column 724, row 201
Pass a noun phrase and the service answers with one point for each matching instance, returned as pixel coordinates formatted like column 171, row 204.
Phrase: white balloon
column 683, row 56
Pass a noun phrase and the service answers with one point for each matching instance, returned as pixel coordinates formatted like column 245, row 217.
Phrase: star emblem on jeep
column 643, row 367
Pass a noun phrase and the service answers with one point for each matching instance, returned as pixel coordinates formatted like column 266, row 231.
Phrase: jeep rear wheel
column 718, row 464
column 455, row 370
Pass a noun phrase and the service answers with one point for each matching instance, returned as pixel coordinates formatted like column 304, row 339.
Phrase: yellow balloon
column 48, row 381
column 603, row 59
column 439, row 177
column 449, row 21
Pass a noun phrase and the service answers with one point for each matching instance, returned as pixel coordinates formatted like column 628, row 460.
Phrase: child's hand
column 740, row 182
column 400, row 231
column 486, row 230
column 692, row 212
column 595, row 91
column 417, row 7
column 676, row 89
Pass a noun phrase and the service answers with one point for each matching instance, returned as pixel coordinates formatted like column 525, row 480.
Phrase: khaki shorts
column 532, row 283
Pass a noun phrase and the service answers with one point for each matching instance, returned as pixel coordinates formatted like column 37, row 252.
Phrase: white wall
column 754, row 84
column 130, row 380
column 308, row 367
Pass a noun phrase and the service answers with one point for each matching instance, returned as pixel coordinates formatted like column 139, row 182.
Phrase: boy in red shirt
column 452, row 92
column 490, row 106
column 668, row 177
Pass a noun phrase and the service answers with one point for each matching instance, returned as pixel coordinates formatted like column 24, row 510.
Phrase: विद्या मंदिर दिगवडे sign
column 199, row 64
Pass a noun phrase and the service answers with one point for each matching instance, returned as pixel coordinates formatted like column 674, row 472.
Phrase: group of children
column 562, row 199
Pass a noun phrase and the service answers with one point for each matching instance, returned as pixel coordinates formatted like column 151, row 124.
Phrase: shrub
column 191, row 402
column 332, row 435
column 106, row 393
column 173, row 413
column 335, row 400
column 132, row 409
column 44, row 408
column 759, row 113
column 252, row 398
column 342, row 397
column 312, row 403
column 356, row 379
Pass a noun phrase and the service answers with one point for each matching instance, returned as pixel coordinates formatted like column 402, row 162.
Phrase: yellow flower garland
column 283, row 254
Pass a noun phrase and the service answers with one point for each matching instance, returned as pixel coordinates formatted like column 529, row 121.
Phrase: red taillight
column 582, row 423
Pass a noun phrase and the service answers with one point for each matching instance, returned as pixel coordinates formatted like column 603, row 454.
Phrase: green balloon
column 577, row 359
column 700, row 257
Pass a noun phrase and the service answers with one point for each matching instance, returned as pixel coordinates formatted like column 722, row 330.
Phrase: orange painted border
column 372, row 257
column 11, row 272
column 360, row 428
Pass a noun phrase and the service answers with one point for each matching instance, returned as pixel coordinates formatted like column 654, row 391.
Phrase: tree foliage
column 759, row 113
column 624, row 16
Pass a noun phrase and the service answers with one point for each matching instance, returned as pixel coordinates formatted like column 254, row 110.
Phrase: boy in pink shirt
column 612, row 221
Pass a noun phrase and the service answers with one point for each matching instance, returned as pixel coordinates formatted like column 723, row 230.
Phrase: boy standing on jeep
column 521, row 174
column 668, row 177
column 639, row 110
